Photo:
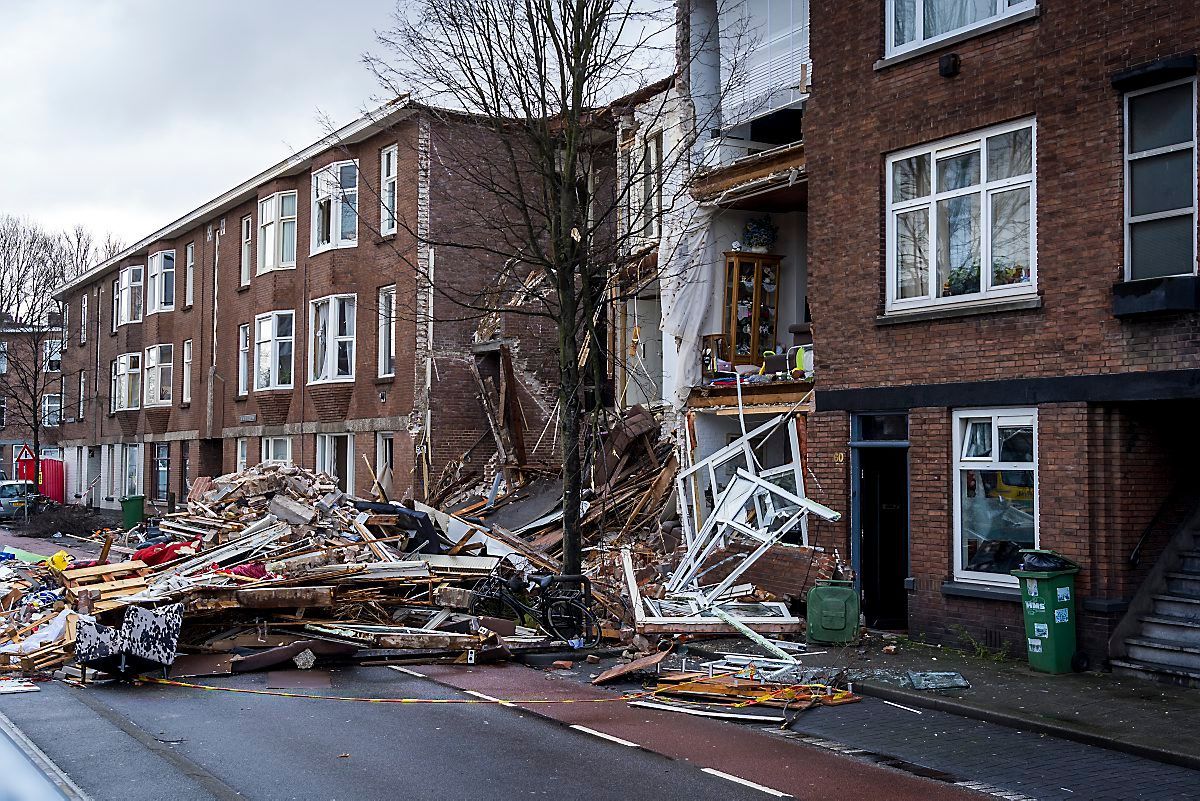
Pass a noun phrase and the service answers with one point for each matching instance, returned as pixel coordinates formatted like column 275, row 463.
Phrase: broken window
column 52, row 410
column 335, row 206
column 331, row 338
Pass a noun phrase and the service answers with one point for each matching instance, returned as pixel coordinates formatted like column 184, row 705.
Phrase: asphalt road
column 153, row 742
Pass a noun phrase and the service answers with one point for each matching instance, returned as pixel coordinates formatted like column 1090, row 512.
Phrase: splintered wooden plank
column 102, row 570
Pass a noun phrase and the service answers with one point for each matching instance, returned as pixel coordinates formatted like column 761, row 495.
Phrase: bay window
column 995, row 492
column 276, row 233
column 962, row 219
column 331, row 339
column 913, row 23
column 387, row 331
column 128, row 296
column 1160, row 181
column 335, row 206
column 387, row 190
column 273, row 338
column 158, row 374
column 243, row 359
column 160, row 282
column 126, row 388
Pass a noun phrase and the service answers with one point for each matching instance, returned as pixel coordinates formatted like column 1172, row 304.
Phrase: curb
column 1036, row 725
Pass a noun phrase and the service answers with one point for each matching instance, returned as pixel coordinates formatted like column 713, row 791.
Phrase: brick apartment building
column 293, row 318
column 29, row 391
column 1002, row 251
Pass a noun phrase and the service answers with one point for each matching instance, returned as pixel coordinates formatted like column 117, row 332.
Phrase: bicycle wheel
column 490, row 599
column 567, row 619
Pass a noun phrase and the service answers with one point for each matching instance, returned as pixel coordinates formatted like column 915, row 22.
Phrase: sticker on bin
column 1031, row 587
column 1041, row 629
column 1035, row 606
column 1035, row 645
column 1062, row 615
column 1064, row 593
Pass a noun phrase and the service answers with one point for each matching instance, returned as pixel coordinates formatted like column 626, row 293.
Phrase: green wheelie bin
column 1048, row 599
column 133, row 510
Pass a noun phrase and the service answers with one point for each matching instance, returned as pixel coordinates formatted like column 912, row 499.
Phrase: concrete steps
column 1164, row 652
column 1170, row 674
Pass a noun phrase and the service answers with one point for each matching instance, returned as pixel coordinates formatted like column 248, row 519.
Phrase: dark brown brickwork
column 1105, row 470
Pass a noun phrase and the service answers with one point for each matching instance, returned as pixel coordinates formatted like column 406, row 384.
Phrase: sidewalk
column 1147, row 719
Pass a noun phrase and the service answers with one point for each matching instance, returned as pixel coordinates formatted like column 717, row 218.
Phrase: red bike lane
column 775, row 765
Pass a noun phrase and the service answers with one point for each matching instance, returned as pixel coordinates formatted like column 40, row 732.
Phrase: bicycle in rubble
column 559, row 605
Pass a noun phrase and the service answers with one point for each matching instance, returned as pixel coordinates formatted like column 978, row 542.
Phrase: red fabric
column 164, row 552
column 255, row 570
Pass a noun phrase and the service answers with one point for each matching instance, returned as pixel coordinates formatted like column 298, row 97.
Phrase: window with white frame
column 82, row 393
column 276, row 232
column 52, row 351
column 277, row 449
column 116, row 304
column 652, row 185
column 995, row 491
column 387, row 331
column 128, row 295
column 961, row 223
column 331, row 339
column 1160, row 181
column 52, row 410
column 243, row 359
column 387, row 190
column 247, row 252
column 335, row 457
column 160, row 469
column 768, row 40
column 3, row 412
column 126, row 388
column 131, row 469
column 243, row 455
column 385, row 459
column 3, row 358
column 273, row 339
column 187, row 371
column 335, row 206
column 189, row 275
column 83, row 317
column 915, row 23
column 160, row 282
column 159, row 365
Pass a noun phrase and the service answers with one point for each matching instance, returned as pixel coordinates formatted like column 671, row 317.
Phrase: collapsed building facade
column 295, row 319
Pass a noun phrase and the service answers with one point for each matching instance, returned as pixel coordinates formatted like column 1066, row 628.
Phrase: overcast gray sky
column 123, row 115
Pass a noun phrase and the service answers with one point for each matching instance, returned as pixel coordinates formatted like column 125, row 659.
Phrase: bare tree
column 559, row 214
column 34, row 264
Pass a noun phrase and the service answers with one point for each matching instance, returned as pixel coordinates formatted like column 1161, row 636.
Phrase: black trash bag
column 1042, row 562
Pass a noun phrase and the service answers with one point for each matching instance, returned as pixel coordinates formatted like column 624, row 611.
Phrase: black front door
column 883, row 499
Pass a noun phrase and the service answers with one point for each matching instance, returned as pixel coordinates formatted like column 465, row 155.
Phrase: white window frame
column 155, row 369
column 51, row 405
column 386, row 342
column 326, row 454
column 3, row 412
column 327, row 187
column 385, row 446
column 160, row 465
column 52, row 348
column 958, row 145
column 247, row 252
column 272, row 343
column 242, row 455
column 273, row 226
column 998, row 417
column 83, row 318
column 388, row 189
column 126, row 382
column 1003, row 10
column 157, row 270
column 267, row 449
column 130, row 283
column 189, row 280
column 82, row 393
column 131, row 469
column 332, row 340
column 186, row 396
column 243, row 386
column 3, row 357
column 1129, row 158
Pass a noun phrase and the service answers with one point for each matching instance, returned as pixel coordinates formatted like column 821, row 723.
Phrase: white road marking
column 603, row 736
column 408, row 671
column 905, row 708
column 745, row 782
column 486, row 697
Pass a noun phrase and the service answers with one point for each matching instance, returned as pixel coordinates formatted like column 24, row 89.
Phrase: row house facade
column 294, row 318
column 1003, row 247
column 978, row 297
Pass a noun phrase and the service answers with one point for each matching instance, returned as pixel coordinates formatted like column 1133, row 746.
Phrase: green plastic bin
column 833, row 612
column 1048, row 599
column 133, row 510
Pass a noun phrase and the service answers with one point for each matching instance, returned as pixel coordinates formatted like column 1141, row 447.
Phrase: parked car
column 14, row 496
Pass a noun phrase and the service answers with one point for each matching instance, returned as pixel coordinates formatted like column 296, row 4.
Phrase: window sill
column 957, row 38
column 243, row 287
column 1173, row 293
column 269, row 391
column 965, row 310
column 328, row 248
column 386, row 379
column 186, row 307
column 327, row 381
column 283, row 269
column 986, row 592
column 185, row 405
